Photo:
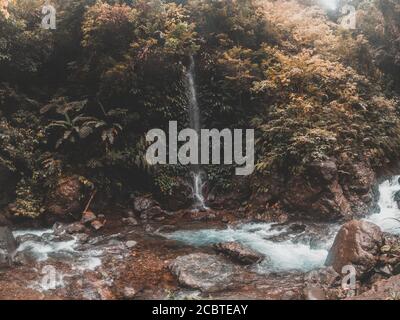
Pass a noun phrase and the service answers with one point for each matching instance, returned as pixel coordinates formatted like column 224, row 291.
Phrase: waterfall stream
column 195, row 123
column 284, row 249
column 388, row 218
column 295, row 251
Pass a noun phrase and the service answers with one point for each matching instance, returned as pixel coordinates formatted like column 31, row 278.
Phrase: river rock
column 97, row 225
column 238, row 252
column 396, row 269
column 130, row 244
column 397, row 198
column 88, row 217
column 205, row 272
column 66, row 201
column 72, row 228
column 8, row 245
column 142, row 203
column 152, row 213
column 357, row 243
column 130, row 221
column 322, row 192
column 28, row 237
column 24, row 257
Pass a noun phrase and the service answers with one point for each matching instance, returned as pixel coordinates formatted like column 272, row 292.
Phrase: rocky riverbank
column 135, row 257
column 143, row 251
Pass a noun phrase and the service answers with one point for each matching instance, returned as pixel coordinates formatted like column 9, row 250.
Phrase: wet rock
column 8, row 245
column 152, row 213
column 104, row 239
column 238, row 252
column 397, row 198
column 62, row 255
column 320, row 200
column 358, row 182
column 51, row 237
column 205, row 272
column 88, row 217
column 396, row 269
column 24, row 257
column 318, row 194
column 130, row 244
column 357, row 243
column 28, row 237
column 166, row 228
column 297, row 227
column 384, row 270
column 148, row 208
column 294, row 232
column 324, row 192
column 66, row 201
column 148, row 228
column 72, row 228
column 82, row 237
column 97, row 225
column 130, row 221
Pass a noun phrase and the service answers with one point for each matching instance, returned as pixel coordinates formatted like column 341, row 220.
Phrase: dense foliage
column 79, row 99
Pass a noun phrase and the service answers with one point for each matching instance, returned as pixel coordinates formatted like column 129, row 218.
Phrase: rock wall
column 323, row 192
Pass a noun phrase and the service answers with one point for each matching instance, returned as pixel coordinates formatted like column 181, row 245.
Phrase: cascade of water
column 389, row 216
column 195, row 123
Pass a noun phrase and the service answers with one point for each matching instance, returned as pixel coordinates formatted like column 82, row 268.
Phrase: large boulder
column 318, row 193
column 326, row 190
column 357, row 243
column 238, row 253
column 205, row 272
column 148, row 208
column 66, row 201
column 8, row 246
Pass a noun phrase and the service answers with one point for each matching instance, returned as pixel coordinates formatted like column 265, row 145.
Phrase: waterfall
column 389, row 216
column 195, row 123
